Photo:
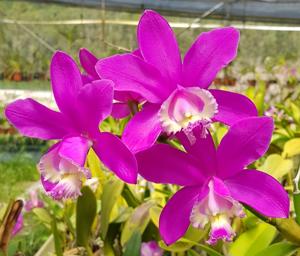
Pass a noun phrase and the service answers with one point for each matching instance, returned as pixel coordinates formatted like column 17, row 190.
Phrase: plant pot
column 16, row 76
column 229, row 81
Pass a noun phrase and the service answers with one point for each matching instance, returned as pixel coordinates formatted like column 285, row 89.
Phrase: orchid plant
column 169, row 140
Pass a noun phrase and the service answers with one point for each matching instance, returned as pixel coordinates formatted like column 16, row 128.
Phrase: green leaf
column 295, row 112
column 184, row 244
column 277, row 166
column 259, row 99
column 123, row 215
column 250, row 92
column 195, row 234
column 85, row 214
column 253, row 240
column 137, row 222
column 129, row 196
column 291, row 148
column 179, row 246
column 210, row 251
column 154, row 214
column 94, row 164
column 192, row 253
column 133, row 246
column 111, row 192
column 278, row 249
column 43, row 215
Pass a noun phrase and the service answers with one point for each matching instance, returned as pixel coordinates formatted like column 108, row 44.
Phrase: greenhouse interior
column 108, row 150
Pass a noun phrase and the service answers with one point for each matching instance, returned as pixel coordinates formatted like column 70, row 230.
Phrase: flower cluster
column 168, row 97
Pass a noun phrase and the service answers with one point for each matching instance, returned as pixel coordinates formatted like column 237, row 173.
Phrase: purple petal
column 143, row 129
column 137, row 53
column 116, row 156
column 86, row 79
column 95, row 104
column 164, row 164
column 33, row 201
column 130, row 73
column 88, row 62
column 124, row 96
column 66, row 82
column 120, row 110
column 158, row 45
column 232, row 107
column 75, row 149
column 246, row 141
column 203, row 150
column 175, row 217
column 261, row 192
column 47, row 185
column 210, row 52
column 35, row 120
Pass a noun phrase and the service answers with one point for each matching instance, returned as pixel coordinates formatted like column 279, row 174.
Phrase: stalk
column 296, row 196
column 288, row 228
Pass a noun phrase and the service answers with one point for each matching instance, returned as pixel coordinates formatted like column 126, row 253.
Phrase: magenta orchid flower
column 214, row 181
column 33, row 201
column 82, row 108
column 176, row 91
column 120, row 108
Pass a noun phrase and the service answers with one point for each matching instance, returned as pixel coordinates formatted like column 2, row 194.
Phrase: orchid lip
column 62, row 178
column 217, row 209
column 187, row 108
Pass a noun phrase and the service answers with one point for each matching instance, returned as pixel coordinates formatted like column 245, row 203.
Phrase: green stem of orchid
column 288, row 228
column 89, row 251
column 296, row 199
column 296, row 196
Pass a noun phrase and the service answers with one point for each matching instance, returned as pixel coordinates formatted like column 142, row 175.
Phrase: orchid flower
column 151, row 248
column 214, row 181
column 176, row 92
column 33, row 201
column 120, row 108
column 82, row 108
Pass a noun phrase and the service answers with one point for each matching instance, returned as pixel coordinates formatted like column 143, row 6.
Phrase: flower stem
column 296, row 196
column 288, row 228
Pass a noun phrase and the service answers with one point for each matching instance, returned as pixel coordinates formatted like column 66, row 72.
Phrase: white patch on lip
column 68, row 187
column 186, row 108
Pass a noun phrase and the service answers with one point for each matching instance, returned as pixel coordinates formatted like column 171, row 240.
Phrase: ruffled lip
column 186, row 108
column 217, row 208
